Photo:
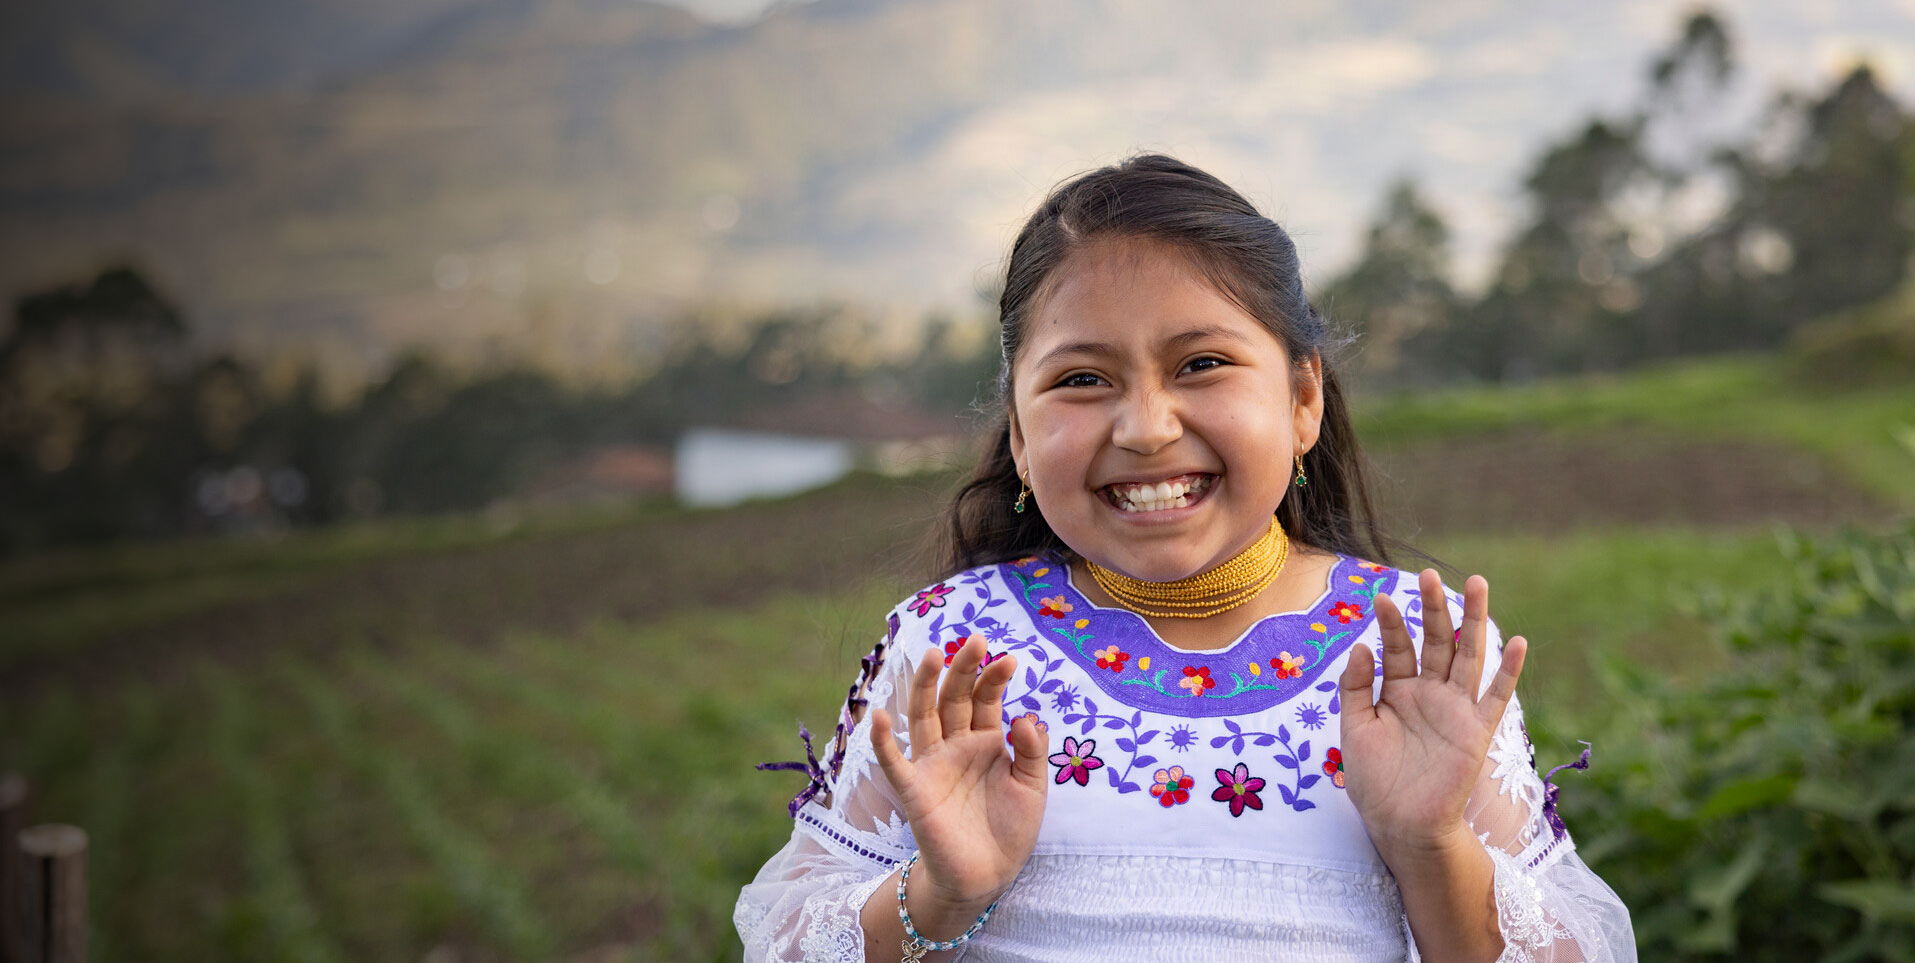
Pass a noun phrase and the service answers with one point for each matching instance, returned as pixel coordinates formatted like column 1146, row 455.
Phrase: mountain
column 352, row 175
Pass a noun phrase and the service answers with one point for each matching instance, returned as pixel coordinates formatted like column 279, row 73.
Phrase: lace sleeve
column 1550, row 906
column 848, row 835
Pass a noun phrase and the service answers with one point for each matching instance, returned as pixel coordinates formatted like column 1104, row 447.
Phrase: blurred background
column 445, row 443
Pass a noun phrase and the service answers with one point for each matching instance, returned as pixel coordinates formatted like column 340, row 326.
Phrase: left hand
column 1412, row 757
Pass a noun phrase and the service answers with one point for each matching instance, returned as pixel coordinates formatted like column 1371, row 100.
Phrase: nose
column 1147, row 420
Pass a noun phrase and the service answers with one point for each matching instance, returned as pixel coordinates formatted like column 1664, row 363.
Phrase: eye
column 1205, row 364
column 1081, row 379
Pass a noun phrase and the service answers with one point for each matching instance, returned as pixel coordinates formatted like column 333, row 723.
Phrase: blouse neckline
column 1329, row 578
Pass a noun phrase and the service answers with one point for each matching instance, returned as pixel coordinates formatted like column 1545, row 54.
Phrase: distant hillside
column 354, row 175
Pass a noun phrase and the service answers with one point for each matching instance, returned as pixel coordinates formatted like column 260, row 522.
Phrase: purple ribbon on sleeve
column 1550, row 791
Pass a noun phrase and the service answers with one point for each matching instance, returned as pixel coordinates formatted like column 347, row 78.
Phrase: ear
column 1017, row 442
column 1306, row 414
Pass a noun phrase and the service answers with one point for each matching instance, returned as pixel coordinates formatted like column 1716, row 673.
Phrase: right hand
column 973, row 810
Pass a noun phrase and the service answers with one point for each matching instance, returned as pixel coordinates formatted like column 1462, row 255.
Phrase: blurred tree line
column 1656, row 235
column 112, row 425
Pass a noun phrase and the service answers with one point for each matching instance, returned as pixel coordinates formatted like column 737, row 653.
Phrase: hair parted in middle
column 1252, row 261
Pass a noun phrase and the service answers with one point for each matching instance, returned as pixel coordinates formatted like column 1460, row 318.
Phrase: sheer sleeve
column 1550, row 906
column 848, row 835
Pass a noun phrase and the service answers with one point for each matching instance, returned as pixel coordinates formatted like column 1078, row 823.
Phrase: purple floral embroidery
column 1148, row 674
column 931, row 598
column 1064, row 698
column 1182, row 738
column 1311, row 716
column 1076, row 761
column 1293, row 760
column 1238, row 788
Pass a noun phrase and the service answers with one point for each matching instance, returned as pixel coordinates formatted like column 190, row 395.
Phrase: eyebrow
column 1182, row 339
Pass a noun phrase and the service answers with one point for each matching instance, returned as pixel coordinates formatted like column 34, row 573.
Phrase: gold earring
column 1023, row 483
column 1302, row 479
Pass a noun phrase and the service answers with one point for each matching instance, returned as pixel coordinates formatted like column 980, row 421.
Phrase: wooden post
column 55, row 858
column 13, row 818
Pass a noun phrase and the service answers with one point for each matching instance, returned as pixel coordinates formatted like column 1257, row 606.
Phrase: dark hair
column 1253, row 262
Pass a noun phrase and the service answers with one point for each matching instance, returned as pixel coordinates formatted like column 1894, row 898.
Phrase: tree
column 1398, row 288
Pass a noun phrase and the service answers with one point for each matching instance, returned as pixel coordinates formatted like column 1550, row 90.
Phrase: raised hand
column 974, row 811
column 1412, row 756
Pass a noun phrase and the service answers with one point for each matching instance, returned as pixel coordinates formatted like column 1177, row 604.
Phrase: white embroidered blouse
column 1197, row 809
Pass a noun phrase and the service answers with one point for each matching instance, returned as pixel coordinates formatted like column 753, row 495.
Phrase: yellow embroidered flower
column 1144, row 663
column 1317, row 627
column 1080, row 623
column 1358, row 579
column 1256, row 669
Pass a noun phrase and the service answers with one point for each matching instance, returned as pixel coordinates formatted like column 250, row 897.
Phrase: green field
column 503, row 738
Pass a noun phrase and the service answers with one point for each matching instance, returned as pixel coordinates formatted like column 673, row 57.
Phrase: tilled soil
column 834, row 540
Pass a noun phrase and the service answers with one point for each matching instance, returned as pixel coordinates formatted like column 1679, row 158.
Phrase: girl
column 1162, row 580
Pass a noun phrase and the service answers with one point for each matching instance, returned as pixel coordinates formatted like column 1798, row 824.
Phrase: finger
column 1467, row 669
column 1032, row 740
column 922, row 714
column 1503, row 686
column 987, row 707
column 960, row 680
column 1357, row 682
column 1439, row 633
column 896, row 768
column 1399, row 653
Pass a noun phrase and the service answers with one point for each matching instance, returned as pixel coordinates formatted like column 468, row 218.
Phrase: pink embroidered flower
column 931, row 598
column 1238, row 788
column 1172, row 787
column 1333, row 766
column 1076, row 762
column 1345, row 612
column 1110, row 658
column 1288, row 666
column 1197, row 679
column 1373, row 567
column 1055, row 607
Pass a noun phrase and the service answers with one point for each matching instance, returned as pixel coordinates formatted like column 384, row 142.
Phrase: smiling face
column 1156, row 419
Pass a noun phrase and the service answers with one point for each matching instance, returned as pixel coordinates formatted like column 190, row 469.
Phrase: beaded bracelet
column 916, row 946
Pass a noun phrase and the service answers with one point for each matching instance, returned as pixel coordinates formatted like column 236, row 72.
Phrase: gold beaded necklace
column 1210, row 593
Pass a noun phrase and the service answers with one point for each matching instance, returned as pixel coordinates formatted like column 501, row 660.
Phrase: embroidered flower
column 951, row 648
column 1197, row 679
column 1345, row 612
column 1143, row 664
column 1256, row 669
column 1318, row 627
column 1039, row 723
column 1064, row 698
column 1373, row 567
column 1026, row 560
column 1333, row 766
column 1055, row 607
column 931, row 598
column 996, row 631
column 1076, row 762
column 1172, row 787
column 1312, row 716
column 1288, row 666
column 1182, row 738
column 1110, row 658
column 1358, row 579
column 1238, row 788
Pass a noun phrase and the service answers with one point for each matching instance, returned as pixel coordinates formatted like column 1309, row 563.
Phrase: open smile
column 1182, row 491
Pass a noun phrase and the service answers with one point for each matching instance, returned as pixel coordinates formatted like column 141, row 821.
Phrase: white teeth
column 1175, row 493
column 1181, row 502
column 1163, row 491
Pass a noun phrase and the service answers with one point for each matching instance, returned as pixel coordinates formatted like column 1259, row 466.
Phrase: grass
column 535, row 741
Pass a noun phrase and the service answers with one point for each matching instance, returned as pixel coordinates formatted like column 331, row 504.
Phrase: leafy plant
column 1768, row 812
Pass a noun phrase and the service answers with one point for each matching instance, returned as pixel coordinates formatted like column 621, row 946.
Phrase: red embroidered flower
column 951, row 649
column 1345, row 612
column 1055, row 607
column 931, row 598
column 1076, row 762
column 1197, row 679
column 1288, row 666
column 1026, row 560
column 1373, row 567
column 1333, row 766
column 1110, row 658
column 1238, row 789
column 1172, row 787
